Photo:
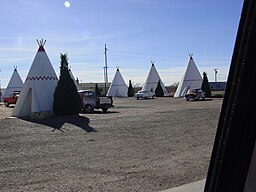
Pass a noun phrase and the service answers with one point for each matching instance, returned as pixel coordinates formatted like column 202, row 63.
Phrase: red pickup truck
column 12, row 99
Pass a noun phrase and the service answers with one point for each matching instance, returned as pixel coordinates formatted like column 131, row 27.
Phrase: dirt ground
column 139, row 145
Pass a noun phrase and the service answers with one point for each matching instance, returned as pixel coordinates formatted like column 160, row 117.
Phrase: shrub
column 67, row 100
column 205, row 86
column 159, row 90
column 130, row 89
column 97, row 91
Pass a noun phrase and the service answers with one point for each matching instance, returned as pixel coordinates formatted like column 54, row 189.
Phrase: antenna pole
column 106, row 70
column 215, row 74
column 106, row 63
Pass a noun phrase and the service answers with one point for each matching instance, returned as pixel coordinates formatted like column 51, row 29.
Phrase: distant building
column 218, row 86
column 91, row 86
column 171, row 89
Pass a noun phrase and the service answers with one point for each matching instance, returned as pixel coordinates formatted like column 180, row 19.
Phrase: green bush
column 159, row 90
column 67, row 100
column 97, row 91
column 130, row 89
column 205, row 86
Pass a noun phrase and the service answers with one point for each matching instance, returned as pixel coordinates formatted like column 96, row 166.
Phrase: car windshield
column 194, row 91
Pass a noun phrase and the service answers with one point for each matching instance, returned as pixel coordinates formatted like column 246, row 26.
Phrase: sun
column 67, row 4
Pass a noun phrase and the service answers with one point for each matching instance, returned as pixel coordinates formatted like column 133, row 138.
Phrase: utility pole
column 106, row 70
column 215, row 74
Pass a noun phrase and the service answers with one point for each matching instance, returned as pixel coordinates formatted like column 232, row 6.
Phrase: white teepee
column 191, row 79
column 152, row 81
column 118, row 87
column 15, row 84
column 36, row 97
column 75, row 81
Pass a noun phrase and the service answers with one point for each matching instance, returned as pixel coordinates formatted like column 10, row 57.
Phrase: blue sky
column 135, row 31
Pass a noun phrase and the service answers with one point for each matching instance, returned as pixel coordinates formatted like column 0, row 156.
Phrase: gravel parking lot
column 139, row 145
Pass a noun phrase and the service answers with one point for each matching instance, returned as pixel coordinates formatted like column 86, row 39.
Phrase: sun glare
column 67, row 4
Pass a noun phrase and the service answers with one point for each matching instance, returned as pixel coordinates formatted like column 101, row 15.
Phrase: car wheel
column 88, row 109
column 6, row 104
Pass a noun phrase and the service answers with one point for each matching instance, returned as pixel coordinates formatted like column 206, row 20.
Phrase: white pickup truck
column 91, row 101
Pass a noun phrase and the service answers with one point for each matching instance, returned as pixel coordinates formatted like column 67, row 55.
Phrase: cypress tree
column 97, row 91
column 130, row 89
column 67, row 100
column 205, row 86
column 159, row 90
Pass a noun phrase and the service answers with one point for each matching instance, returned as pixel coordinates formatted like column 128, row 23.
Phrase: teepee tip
column 41, row 44
column 190, row 55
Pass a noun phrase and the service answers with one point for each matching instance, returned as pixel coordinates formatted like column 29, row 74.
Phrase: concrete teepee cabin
column 15, row 84
column 118, row 87
column 75, row 81
column 191, row 79
column 36, row 97
column 152, row 80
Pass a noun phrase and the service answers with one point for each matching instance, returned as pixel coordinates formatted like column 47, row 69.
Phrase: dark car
column 91, row 101
column 195, row 94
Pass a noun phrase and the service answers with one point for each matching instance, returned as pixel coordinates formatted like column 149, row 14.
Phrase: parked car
column 12, row 99
column 145, row 95
column 195, row 94
column 91, row 101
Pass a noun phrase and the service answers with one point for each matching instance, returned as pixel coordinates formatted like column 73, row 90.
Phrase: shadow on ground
column 99, row 112
column 57, row 122
column 11, row 106
column 206, row 99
